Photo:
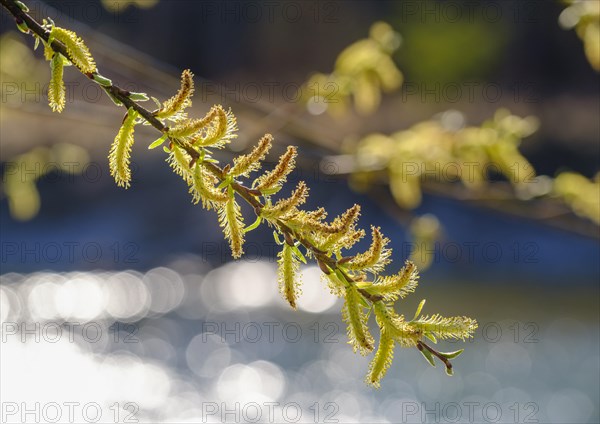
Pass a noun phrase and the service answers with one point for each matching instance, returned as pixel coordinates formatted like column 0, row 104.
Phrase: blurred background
column 125, row 305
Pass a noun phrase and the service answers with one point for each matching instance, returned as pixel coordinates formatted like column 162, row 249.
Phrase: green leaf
column 254, row 225
column 155, row 100
column 166, row 149
column 22, row 6
column 427, row 355
column 419, row 309
column 36, row 44
column 225, row 183
column 23, row 27
column 449, row 371
column 65, row 61
column 270, row 191
column 430, row 336
column 276, row 237
column 299, row 254
column 139, row 97
column 103, row 81
column 363, row 301
column 158, row 142
column 452, row 355
column 364, row 285
column 112, row 97
column 368, row 314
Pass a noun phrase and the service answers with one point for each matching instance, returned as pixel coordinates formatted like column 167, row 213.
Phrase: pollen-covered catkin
column 120, row 151
column 56, row 88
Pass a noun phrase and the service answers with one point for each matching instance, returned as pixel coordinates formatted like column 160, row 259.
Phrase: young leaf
column 298, row 254
column 158, row 142
column 277, row 239
column 23, row 27
column 139, row 97
column 427, row 354
column 112, row 97
column 22, row 6
column 452, row 355
column 430, row 336
column 120, row 151
column 419, row 308
column 103, row 81
column 254, row 225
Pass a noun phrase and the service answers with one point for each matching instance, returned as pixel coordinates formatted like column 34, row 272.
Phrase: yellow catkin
column 56, row 88
column 275, row 178
column 230, row 219
column 353, row 316
column 374, row 259
column 203, row 188
column 445, row 328
column 48, row 52
column 340, row 229
column 399, row 285
column 77, row 51
column 382, row 360
column 179, row 161
column 221, row 131
column 188, row 128
column 395, row 325
column 244, row 165
column 174, row 106
column 120, row 151
column 288, row 275
column 285, row 206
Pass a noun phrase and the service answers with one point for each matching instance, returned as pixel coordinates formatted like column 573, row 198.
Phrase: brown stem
column 422, row 345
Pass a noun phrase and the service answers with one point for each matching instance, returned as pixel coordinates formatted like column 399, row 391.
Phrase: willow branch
column 122, row 95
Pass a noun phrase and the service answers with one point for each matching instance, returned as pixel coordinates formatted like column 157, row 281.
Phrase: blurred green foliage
column 424, row 231
column 362, row 71
column 580, row 193
column 444, row 150
column 120, row 5
column 18, row 63
column 22, row 172
column 446, row 44
column 584, row 16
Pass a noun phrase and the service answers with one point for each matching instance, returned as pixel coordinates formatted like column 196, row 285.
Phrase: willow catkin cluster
column 189, row 142
column 300, row 233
